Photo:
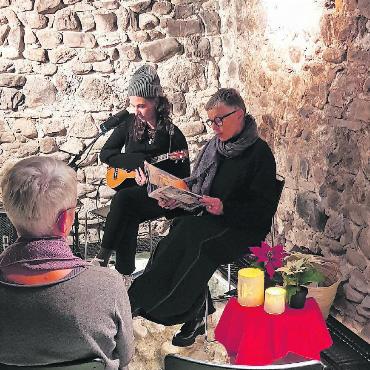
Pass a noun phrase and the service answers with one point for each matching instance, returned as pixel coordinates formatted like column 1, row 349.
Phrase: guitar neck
column 160, row 158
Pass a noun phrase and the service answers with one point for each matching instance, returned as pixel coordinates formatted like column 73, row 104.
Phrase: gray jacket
column 85, row 316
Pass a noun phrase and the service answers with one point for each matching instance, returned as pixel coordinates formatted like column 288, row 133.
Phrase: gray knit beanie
column 145, row 83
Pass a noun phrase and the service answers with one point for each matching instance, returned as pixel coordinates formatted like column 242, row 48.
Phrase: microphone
column 114, row 121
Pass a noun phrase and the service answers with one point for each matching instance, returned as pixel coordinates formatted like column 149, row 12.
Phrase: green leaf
column 310, row 276
column 290, row 291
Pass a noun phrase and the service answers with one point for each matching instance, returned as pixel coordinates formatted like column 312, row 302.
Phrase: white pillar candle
column 275, row 300
column 251, row 284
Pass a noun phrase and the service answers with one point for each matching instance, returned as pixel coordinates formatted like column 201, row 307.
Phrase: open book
column 163, row 185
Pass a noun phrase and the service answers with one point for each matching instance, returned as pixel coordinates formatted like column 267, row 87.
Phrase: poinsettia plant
column 298, row 270
column 272, row 257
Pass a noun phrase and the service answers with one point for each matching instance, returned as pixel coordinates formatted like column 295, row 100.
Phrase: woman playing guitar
column 146, row 134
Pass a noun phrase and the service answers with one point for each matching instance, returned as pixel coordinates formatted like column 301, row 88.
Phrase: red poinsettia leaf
column 270, row 269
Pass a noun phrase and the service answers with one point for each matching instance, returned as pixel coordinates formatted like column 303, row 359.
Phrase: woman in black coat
column 236, row 174
column 143, row 136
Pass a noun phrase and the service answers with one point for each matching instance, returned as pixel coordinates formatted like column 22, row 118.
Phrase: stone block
column 212, row 22
column 10, row 98
column 183, row 11
column 197, row 48
column 84, row 127
column 35, row 54
column 4, row 3
column 72, row 146
column 27, row 149
column 49, row 39
column 311, row 211
column 54, row 127
column 48, row 6
column 155, row 35
column 111, row 39
column 352, row 294
column 192, row 129
column 33, row 19
column 358, row 281
column 48, row 145
column 78, row 39
column 105, row 22
column 22, row 5
column 61, row 55
column 79, row 68
column 344, row 123
column 91, row 56
column 128, row 52
column 356, row 259
column 29, row 37
column 358, row 56
column 66, row 19
column 123, row 18
column 39, row 92
column 15, row 38
column 162, row 7
column 364, row 8
column 137, row 6
column 4, row 31
column 334, row 227
column 103, row 67
column 363, row 241
column 25, row 127
column 159, row 50
column 359, row 109
column 333, row 55
column 107, row 4
column 148, row 21
column 12, row 80
column 87, row 21
column 138, row 36
column 71, row 2
column 48, row 69
column 183, row 28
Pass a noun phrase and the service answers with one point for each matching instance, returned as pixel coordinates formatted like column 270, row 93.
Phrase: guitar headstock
column 180, row 154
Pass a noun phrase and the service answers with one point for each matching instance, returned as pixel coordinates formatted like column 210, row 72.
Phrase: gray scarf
column 206, row 164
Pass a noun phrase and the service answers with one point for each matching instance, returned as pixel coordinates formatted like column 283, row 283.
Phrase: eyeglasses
column 64, row 210
column 219, row 121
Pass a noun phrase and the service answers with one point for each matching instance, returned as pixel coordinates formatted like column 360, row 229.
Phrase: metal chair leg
column 229, row 276
column 206, row 315
column 150, row 237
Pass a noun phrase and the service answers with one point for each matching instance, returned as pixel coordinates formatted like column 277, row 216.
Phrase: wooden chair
column 176, row 362
column 87, row 364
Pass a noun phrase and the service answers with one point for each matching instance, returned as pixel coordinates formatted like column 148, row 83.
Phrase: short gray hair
column 230, row 97
column 35, row 190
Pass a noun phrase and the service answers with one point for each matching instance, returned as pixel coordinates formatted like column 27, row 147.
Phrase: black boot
column 191, row 329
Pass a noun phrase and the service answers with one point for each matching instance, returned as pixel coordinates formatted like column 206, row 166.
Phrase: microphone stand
column 73, row 164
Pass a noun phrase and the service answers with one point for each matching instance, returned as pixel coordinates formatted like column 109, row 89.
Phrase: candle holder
column 251, row 284
column 275, row 300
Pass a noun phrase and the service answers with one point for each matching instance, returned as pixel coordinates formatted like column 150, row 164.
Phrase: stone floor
column 153, row 341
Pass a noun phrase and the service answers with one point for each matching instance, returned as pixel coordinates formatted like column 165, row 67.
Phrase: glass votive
column 275, row 300
column 251, row 285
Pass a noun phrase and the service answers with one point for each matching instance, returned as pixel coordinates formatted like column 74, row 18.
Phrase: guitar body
column 116, row 176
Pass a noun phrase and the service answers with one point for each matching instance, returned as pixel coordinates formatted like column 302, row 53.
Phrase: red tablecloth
column 255, row 337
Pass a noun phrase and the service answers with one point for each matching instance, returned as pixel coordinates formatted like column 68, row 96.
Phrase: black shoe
column 188, row 332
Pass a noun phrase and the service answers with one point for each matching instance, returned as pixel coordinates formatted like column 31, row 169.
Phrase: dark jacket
column 172, row 288
column 135, row 152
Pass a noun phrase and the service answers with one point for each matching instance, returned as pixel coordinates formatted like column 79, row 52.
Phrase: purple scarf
column 38, row 256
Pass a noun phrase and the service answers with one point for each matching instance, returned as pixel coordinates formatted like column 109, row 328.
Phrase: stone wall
column 309, row 89
column 65, row 66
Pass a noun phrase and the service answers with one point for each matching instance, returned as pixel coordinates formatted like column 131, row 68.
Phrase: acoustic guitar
column 116, row 176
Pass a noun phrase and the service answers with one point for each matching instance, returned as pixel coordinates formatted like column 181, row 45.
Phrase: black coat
column 172, row 288
column 138, row 151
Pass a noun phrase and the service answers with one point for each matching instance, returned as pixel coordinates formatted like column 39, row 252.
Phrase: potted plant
column 297, row 271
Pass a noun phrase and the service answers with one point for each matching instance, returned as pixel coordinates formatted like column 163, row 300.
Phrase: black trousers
column 129, row 207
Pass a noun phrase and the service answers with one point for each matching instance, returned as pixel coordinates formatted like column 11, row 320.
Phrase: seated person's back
column 54, row 307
